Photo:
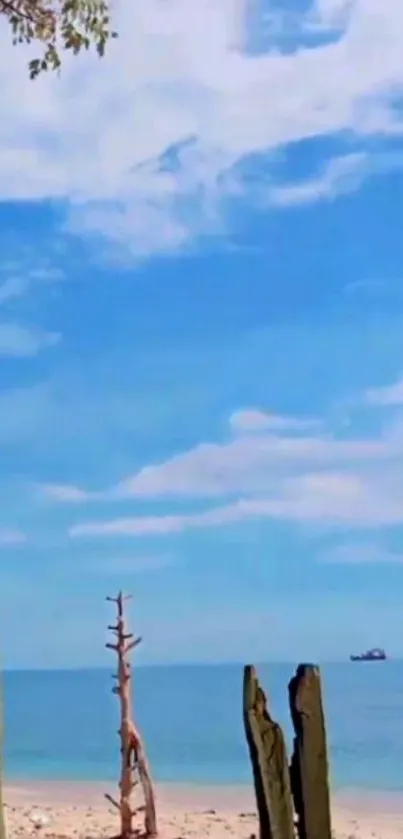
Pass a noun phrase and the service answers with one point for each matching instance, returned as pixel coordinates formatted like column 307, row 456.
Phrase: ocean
column 63, row 724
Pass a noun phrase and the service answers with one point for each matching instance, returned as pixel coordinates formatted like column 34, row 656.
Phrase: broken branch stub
column 112, row 800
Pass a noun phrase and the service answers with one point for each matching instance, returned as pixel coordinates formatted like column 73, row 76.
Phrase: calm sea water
column 62, row 725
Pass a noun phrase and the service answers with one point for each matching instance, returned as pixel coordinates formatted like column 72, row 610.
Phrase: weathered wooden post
column 309, row 766
column 269, row 762
column 2, row 819
column 133, row 756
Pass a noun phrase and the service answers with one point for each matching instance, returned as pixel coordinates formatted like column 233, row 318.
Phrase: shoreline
column 175, row 793
column 223, row 796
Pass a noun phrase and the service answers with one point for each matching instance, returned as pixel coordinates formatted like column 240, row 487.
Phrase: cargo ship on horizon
column 375, row 654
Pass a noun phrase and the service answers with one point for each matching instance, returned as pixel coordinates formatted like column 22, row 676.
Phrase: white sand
column 184, row 812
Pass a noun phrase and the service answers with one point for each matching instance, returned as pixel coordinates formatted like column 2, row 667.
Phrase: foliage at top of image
column 58, row 25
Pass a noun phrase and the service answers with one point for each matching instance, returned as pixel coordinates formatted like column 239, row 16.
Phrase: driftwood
column 133, row 757
column 309, row 767
column 269, row 763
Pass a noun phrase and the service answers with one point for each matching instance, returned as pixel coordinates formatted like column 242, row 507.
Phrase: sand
column 78, row 810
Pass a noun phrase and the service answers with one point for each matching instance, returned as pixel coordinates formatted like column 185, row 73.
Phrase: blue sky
column 201, row 337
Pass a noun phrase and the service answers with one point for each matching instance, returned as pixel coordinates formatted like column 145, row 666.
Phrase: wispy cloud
column 10, row 537
column 163, row 164
column 46, row 273
column 339, row 176
column 336, row 499
column 369, row 286
column 22, row 342
column 65, row 493
column 388, row 395
column 329, row 14
column 253, row 419
column 312, row 478
column 13, row 287
column 248, row 465
column 21, row 277
column 361, row 553
column 245, row 464
column 142, row 526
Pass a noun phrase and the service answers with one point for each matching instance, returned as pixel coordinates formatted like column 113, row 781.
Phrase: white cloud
column 309, row 479
column 145, row 526
column 339, row 175
column 21, row 276
column 64, row 493
column 383, row 396
column 278, row 467
column 10, row 537
column 253, row 419
column 93, row 136
column 46, row 273
column 243, row 465
column 368, row 286
column 336, row 499
column 248, row 464
column 13, row 287
column 21, row 342
column 361, row 553
column 330, row 14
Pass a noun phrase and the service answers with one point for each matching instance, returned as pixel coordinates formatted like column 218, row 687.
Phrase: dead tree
column 133, row 758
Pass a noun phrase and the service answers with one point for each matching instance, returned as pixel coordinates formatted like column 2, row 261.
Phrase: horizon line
column 186, row 664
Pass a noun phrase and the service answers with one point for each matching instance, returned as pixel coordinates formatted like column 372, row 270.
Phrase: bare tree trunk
column 133, row 756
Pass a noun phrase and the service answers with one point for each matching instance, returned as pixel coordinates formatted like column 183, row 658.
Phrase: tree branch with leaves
column 58, row 25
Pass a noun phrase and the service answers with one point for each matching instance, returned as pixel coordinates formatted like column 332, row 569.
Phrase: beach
column 76, row 810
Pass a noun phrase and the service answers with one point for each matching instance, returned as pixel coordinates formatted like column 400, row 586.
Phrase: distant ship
column 371, row 655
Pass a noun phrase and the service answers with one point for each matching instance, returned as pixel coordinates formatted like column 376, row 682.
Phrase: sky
column 201, row 336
